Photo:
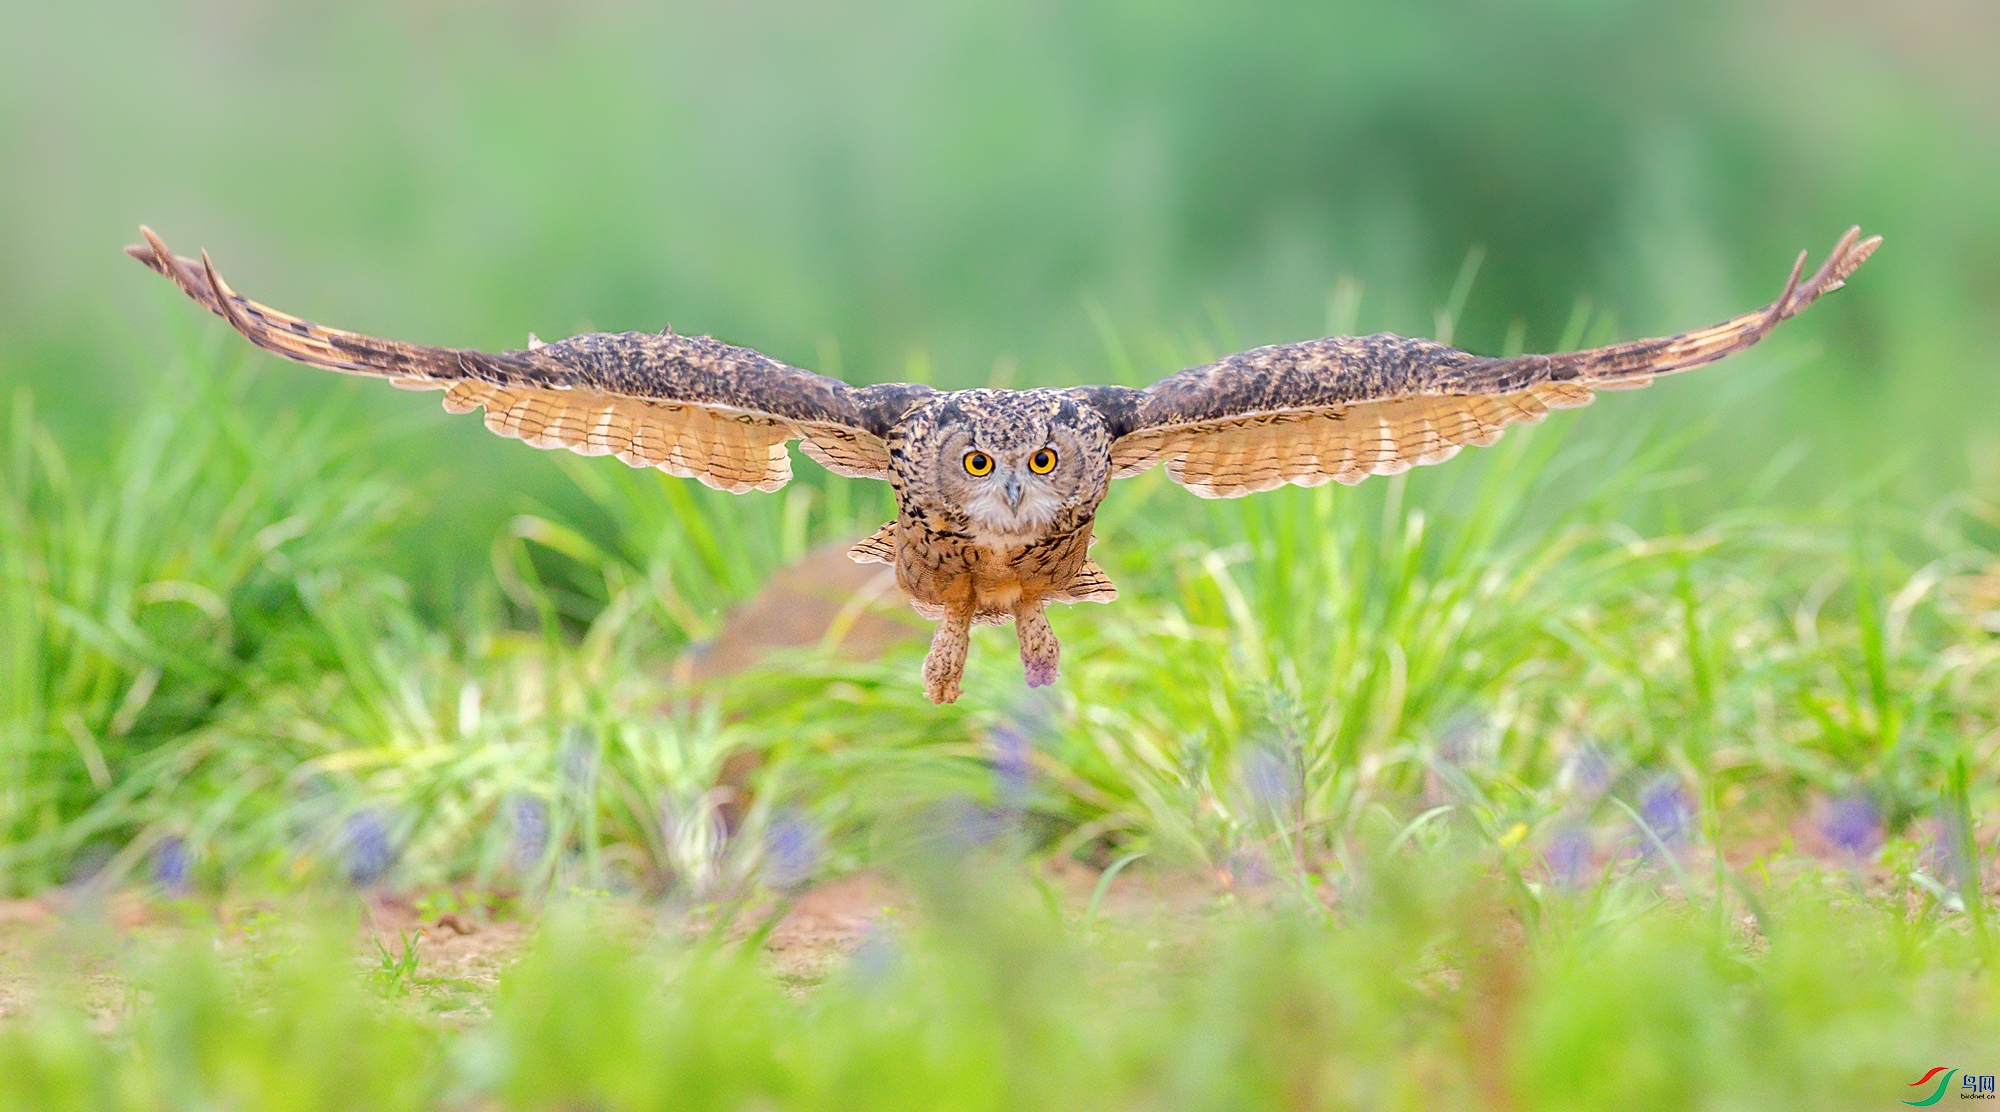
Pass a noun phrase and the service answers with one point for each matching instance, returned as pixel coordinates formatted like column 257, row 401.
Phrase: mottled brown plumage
column 997, row 489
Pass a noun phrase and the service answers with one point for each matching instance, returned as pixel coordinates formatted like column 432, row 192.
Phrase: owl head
column 1006, row 467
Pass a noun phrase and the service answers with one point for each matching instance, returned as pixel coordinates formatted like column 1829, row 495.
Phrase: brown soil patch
column 826, row 923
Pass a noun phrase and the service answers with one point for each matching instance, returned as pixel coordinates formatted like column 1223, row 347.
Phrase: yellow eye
column 1042, row 462
column 978, row 464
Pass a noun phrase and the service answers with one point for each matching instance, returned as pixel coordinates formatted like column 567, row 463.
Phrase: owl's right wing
column 688, row 405
column 1345, row 408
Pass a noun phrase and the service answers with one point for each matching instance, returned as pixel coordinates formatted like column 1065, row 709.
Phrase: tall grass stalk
column 145, row 593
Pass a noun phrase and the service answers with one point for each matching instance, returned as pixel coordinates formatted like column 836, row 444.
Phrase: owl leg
column 1039, row 649
column 946, row 661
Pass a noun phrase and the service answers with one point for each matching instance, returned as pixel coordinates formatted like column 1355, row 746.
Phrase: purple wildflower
column 578, row 761
column 968, row 825
column 1669, row 812
column 1271, row 774
column 1589, row 770
column 1247, row 870
column 1013, row 772
column 89, row 866
column 1568, row 854
column 1852, row 825
column 531, row 830
column 1459, row 747
column 790, row 850
column 172, row 865
column 1956, row 840
column 877, row 957
column 1463, row 739
column 369, row 854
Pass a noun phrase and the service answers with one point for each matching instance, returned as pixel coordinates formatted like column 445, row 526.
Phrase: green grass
column 1497, row 796
column 145, row 599
column 214, row 653
column 1436, row 982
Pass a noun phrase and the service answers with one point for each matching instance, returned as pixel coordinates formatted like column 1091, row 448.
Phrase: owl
column 996, row 490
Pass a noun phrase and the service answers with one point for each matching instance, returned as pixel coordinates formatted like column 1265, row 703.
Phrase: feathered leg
column 946, row 661
column 1039, row 648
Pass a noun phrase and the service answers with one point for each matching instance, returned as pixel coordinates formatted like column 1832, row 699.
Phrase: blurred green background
column 312, row 633
column 1034, row 193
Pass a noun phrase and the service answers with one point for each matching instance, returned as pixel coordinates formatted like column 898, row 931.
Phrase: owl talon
column 942, row 691
column 1039, row 648
column 945, row 663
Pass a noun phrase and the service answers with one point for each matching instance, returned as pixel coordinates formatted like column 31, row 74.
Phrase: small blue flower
column 1852, row 824
column 1955, row 839
column 172, row 865
column 791, row 850
column 531, row 830
column 1247, row 870
column 1568, row 854
column 578, row 760
column 1589, row 770
column 369, row 854
column 1463, row 739
column 876, row 959
column 1013, row 772
column 969, row 825
column 1272, row 775
column 1669, row 811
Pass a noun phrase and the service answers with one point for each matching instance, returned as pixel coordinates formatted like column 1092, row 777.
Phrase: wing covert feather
column 688, row 405
column 1347, row 407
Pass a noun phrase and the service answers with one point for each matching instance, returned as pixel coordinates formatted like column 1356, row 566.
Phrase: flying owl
column 996, row 490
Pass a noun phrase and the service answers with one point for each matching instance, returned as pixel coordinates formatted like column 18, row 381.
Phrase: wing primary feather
column 1347, row 407
column 689, row 405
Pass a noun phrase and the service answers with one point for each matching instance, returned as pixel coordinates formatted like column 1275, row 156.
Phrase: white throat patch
column 997, row 525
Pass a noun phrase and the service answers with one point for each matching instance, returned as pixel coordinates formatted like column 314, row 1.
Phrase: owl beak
column 1013, row 489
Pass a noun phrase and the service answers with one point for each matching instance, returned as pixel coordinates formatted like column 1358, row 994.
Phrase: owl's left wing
column 688, row 405
column 1345, row 408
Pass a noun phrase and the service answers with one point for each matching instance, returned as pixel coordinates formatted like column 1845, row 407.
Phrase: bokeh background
column 1647, row 758
column 1035, row 193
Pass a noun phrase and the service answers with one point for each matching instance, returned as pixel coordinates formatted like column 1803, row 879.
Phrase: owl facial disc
column 1012, row 503
column 1004, row 469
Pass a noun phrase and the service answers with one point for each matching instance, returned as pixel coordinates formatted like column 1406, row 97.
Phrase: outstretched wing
column 1349, row 407
column 688, row 405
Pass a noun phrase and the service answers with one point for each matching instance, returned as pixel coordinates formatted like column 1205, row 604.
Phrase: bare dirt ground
column 86, row 941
